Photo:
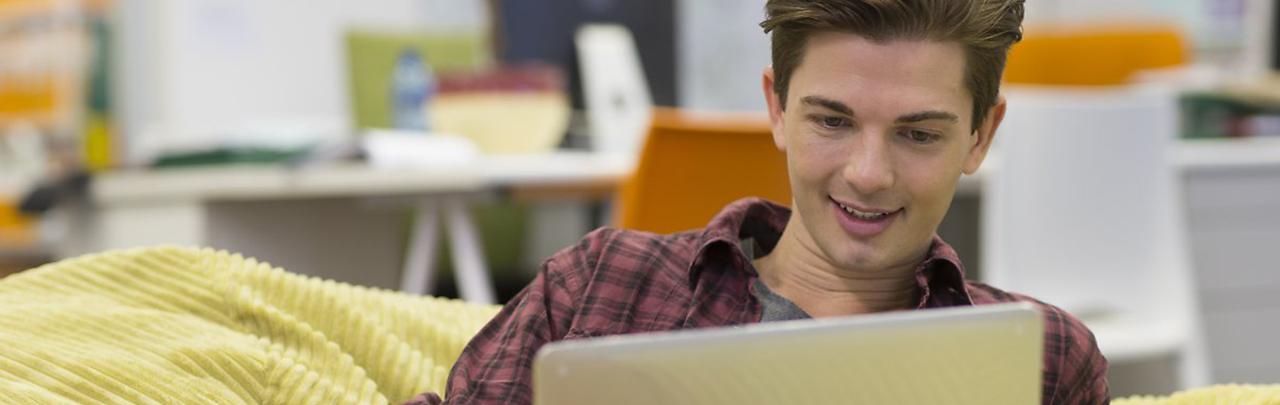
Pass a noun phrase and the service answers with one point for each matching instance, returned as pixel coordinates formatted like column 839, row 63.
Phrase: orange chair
column 1095, row 55
column 692, row 165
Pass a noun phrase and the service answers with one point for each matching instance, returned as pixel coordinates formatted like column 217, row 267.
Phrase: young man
column 880, row 107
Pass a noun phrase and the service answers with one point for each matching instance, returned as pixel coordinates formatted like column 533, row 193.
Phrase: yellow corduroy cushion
column 176, row 325
column 1213, row 395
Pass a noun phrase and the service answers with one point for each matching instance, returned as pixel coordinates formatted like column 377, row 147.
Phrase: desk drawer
column 1266, row 374
column 1242, row 340
column 1230, row 259
column 1233, row 188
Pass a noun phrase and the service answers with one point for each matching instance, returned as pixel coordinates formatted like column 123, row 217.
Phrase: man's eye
column 831, row 122
column 920, row 137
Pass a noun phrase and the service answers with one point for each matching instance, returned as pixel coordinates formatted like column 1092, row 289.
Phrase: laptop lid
column 971, row 355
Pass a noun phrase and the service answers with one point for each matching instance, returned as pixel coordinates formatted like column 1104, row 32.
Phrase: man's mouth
column 864, row 222
column 869, row 214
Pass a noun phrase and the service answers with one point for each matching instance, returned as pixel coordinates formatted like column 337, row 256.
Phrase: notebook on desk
column 972, row 355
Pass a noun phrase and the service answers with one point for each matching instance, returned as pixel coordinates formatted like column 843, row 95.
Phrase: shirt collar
column 764, row 221
column 746, row 218
column 942, row 271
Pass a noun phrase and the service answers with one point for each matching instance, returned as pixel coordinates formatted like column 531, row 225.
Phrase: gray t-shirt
column 773, row 307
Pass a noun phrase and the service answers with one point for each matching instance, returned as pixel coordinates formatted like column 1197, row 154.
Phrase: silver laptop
column 973, row 355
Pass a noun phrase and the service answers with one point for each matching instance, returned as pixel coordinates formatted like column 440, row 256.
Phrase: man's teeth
column 860, row 214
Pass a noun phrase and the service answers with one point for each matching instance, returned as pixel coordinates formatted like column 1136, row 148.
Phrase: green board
column 371, row 59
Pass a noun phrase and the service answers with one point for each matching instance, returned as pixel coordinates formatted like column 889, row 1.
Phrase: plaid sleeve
column 496, row 366
column 426, row 398
column 1074, row 361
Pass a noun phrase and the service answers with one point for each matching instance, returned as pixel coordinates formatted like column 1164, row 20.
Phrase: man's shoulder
column 983, row 294
column 622, row 281
column 619, row 252
column 1055, row 318
column 619, row 246
column 1073, row 364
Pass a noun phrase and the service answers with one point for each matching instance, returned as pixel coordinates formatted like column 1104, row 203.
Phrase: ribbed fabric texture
column 177, row 325
column 1213, row 395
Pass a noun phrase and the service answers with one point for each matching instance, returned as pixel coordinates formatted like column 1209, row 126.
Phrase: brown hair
column 985, row 28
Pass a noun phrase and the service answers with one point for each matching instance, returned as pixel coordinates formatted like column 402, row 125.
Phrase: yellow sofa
column 175, row 325
column 178, row 325
column 1214, row 395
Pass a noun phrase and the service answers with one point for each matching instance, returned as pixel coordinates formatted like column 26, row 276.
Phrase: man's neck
column 799, row 271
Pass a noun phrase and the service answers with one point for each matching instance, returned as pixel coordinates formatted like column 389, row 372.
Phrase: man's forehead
column 842, row 65
column 917, row 61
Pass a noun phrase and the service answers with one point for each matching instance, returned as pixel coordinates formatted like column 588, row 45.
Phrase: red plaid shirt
column 617, row 282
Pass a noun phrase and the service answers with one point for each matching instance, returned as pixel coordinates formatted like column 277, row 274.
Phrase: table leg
column 474, row 283
column 418, row 276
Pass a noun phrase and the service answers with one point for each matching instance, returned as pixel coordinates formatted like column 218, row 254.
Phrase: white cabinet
column 1234, row 217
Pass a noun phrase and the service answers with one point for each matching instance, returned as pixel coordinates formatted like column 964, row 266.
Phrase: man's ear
column 775, row 109
column 985, row 134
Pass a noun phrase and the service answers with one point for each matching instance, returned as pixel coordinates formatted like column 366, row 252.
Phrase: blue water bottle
column 412, row 85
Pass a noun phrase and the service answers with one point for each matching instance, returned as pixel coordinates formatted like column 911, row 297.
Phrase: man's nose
column 870, row 166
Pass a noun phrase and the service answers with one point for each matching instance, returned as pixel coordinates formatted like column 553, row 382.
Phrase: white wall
column 1211, row 24
column 208, row 72
column 722, row 49
column 721, row 54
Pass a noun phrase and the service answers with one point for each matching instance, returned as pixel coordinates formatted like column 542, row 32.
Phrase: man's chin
column 862, row 263
column 858, row 255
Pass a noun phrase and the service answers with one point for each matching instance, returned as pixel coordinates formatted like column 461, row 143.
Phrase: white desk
column 1228, row 154
column 258, row 182
column 336, row 221
column 265, row 182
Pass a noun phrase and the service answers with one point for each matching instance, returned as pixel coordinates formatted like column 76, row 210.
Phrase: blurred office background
column 448, row 147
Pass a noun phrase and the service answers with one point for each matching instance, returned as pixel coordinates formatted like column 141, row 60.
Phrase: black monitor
column 1274, row 37
column 543, row 30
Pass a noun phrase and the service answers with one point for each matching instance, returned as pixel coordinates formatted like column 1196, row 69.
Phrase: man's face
column 876, row 137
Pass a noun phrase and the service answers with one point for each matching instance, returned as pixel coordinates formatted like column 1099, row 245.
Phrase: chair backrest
column 614, row 88
column 1085, row 210
column 692, row 165
column 1081, row 210
column 1093, row 55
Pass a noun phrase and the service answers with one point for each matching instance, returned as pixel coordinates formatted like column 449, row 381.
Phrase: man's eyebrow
column 927, row 115
column 828, row 104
